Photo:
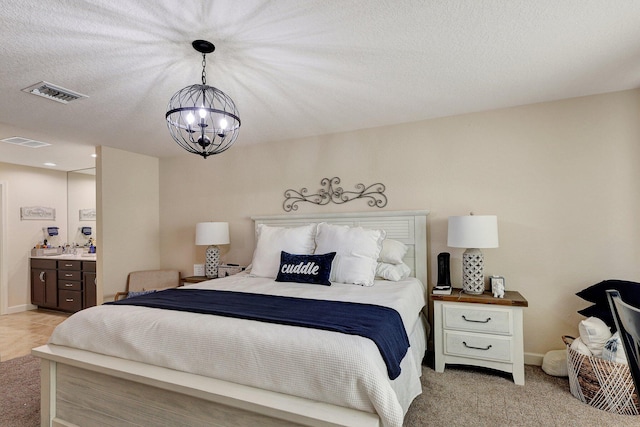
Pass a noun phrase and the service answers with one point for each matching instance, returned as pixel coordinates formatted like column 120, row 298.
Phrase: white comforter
column 341, row 369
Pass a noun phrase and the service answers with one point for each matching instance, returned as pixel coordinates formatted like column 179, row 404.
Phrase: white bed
column 87, row 382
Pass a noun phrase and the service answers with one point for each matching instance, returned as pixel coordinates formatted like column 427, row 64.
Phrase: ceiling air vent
column 53, row 92
column 25, row 142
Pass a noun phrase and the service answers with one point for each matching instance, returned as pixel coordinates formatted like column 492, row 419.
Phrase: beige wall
column 127, row 202
column 562, row 177
column 27, row 186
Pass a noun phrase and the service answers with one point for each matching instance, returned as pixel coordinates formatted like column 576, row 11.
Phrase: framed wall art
column 37, row 213
column 87, row 214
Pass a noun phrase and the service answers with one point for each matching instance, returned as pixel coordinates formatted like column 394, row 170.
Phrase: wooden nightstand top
column 195, row 279
column 511, row 298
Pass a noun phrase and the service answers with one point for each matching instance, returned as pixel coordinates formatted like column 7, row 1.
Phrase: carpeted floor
column 464, row 396
column 20, row 392
column 458, row 397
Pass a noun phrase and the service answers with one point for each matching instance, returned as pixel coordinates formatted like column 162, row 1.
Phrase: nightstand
column 194, row 279
column 480, row 330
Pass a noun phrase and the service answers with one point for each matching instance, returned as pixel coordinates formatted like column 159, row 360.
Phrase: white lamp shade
column 473, row 231
column 212, row 233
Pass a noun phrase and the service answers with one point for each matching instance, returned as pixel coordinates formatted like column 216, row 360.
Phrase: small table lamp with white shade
column 473, row 232
column 212, row 234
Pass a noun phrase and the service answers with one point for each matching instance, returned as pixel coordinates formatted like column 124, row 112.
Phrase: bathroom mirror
column 81, row 205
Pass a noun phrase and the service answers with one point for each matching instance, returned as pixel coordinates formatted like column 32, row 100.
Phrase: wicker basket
column 600, row 383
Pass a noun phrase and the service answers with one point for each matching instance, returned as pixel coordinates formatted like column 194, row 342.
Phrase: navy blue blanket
column 383, row 325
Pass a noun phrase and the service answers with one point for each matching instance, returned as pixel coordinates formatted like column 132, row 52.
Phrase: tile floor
column 20, row 332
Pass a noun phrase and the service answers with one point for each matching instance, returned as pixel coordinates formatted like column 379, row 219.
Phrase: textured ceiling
column 296, row 68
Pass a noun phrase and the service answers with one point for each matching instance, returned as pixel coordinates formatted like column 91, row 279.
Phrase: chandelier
column 202, row 119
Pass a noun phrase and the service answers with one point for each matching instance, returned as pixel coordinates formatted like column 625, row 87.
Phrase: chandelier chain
column 204, row 69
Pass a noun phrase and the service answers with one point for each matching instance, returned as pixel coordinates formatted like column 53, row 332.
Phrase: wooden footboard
column 80, row 388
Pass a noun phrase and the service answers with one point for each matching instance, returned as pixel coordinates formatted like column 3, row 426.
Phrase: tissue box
column 225, row 270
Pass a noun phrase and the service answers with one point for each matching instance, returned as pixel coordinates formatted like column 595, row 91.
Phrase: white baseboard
column 534, row 359
column 20, row 308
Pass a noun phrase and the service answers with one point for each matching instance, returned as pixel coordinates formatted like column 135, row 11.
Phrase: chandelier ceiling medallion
column 202, row 119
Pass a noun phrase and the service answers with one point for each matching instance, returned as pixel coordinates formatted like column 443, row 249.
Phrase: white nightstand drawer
column 479, row 346
column 469, row 317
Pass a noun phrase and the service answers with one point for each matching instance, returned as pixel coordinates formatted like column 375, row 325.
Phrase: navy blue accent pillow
column 314, row 269
column 602, row 312
column 629, row 291
column 597, row 294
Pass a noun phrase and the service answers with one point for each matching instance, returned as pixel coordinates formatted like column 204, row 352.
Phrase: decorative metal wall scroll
column 334, row 194
column 87, row 214
column 37, row 212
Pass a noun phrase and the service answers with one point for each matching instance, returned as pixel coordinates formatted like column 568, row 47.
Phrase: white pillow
column 353, row 269
column 273, row 240
column 555, row 363
column 578, row 346
column 393, row 272
column 594, row 334
column 393, row 251
column 357, row 251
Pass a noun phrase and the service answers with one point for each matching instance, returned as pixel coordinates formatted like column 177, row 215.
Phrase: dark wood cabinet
column 68, row 285
column 44, row 283
column 90, row 297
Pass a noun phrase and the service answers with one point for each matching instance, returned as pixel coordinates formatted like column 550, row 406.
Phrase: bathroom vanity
column 63, row 282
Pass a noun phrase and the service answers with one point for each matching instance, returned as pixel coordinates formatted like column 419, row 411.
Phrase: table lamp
column 212, row 234
column 473, row 232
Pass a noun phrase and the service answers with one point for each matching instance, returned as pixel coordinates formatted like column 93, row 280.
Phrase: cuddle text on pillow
column 313, row 269
column 302, row 268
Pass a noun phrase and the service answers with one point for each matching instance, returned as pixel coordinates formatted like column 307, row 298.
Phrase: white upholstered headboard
column 409, row 227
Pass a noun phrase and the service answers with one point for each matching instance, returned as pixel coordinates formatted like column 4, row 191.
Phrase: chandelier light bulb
column 223, row 123
column 190, row 118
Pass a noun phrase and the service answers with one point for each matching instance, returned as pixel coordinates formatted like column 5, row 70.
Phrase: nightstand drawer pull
column 71, row 300
column 476, row 321
column 476, row 348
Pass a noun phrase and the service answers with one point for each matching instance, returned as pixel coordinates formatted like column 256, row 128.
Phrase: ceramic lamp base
column 213, row 260
column 473, row 272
